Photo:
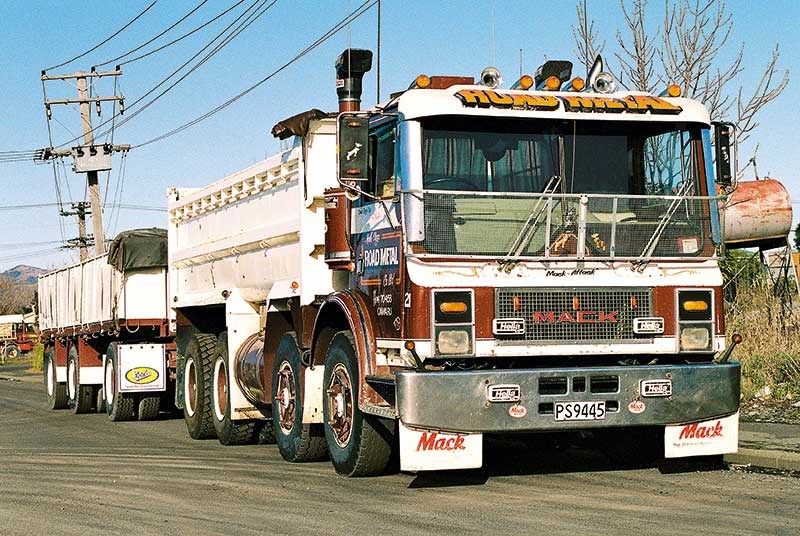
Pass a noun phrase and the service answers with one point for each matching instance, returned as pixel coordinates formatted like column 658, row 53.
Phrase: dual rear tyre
column 228, row 431
column 81, row 397
column 56, row 391
column 125, row 406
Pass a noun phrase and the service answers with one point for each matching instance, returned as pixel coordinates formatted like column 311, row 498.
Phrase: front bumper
column 457, row 401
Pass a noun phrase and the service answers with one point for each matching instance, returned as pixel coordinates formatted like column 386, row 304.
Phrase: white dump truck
column 106, row 326
column 460, row 260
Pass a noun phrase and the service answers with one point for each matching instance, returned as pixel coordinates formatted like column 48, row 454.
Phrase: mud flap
column 429, row 450
column 708, row 438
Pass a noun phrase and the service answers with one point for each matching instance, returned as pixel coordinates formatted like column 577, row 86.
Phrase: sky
column 417, row 36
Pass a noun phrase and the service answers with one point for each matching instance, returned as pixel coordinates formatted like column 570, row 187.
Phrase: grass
column 37, row 357
column 770, row 350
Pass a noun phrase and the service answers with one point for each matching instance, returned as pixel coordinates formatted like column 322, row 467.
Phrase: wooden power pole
column 87, row 158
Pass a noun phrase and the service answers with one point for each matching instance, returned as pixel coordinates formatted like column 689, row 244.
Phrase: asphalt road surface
column 81, row 474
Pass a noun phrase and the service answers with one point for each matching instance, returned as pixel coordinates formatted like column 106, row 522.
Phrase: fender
column 359, row 317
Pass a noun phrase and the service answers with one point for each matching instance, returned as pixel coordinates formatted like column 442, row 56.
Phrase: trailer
column 461, row 260
column 105, row 323
column 17, row 335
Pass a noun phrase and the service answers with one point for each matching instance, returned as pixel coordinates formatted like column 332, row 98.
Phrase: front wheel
column 297, row 442
column 359, row 444
column 11, row 351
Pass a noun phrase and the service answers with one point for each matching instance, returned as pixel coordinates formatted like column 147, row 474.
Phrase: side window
column 383, row 164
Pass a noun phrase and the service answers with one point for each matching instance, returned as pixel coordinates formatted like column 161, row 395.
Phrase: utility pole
column 79, row 210
column 87, row 158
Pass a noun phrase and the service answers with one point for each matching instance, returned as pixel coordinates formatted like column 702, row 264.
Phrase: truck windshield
column 590, row 156
column 563, row 188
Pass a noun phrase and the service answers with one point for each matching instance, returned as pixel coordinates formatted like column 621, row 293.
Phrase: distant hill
column 24, row 274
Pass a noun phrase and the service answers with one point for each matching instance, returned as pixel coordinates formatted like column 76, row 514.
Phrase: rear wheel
column 197, row 386
column 359, row 444
column 81, row 397
column 229, row 432
column 119, row 406
column 297, row 442
column 149, row 406
column 56, row 392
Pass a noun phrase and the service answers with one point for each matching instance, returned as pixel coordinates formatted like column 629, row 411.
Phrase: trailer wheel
column 56, row 392
column 149, row 406
column 197, row 386
column 229, row 432
column 297, row 442
column 119, row 406
column 359, row 444
column 81, row 397
column 10, row 351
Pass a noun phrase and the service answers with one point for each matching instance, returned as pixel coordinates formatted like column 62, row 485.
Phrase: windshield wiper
column 528, row 229
column 685, row 190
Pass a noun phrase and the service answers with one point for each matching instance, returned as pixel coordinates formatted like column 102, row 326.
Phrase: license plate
column 579, row 411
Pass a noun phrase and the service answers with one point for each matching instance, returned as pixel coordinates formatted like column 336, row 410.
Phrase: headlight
column 695, row 338
column 453, row 341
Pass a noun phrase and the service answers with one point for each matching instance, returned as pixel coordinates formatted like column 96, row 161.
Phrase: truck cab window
column 382, row 165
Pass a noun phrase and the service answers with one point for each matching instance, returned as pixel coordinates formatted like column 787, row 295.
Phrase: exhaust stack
column 351, row 65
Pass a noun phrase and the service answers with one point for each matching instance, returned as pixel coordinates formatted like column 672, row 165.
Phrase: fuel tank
column 249, row 367
column 756, row 214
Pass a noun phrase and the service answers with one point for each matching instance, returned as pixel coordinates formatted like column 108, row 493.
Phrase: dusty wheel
column 149, row 406
column 197, row 386
column 80, row 396
column 297, row 442
column 359, row 444
column 56, row 392
column 10, row 351
column 119, row 406
column 229, row 432
column 266, row 432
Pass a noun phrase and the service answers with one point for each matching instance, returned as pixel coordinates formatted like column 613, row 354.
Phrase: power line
column 225, row 41
column 125, row 206
column 363, row 8
column 173, row 25
column 104, row 41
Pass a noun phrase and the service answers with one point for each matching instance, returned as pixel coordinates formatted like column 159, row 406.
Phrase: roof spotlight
column 491, row 77
column 604, row 83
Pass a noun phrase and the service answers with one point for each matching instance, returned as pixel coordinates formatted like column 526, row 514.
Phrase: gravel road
column 81, row 474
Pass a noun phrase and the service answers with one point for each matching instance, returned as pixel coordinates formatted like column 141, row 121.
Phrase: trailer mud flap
column 142, row 367
column 708, row 438
column 429, row 450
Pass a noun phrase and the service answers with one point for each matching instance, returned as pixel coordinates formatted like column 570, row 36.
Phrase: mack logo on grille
column 575, row 317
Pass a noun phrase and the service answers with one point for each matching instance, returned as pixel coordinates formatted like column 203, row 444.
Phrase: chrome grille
column 573, row 314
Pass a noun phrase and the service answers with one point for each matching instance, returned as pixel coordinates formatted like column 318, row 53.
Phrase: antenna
column 585, row 40
column 520, row 63
column 378, row 59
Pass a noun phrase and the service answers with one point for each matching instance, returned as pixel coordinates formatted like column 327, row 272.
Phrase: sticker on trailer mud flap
column 431, row 450
column 717, row 436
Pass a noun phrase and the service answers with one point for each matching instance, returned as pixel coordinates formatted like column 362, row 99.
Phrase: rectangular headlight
column 695, row 338
column 454, row 341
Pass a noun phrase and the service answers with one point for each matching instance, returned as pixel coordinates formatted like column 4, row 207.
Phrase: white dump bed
column 93, row 292
column 259, row 232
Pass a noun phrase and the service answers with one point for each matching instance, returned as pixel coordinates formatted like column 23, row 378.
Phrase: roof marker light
column 577, row 84
column 552, row 83
column 525, row 82
column 673, row 90
column 422, row 81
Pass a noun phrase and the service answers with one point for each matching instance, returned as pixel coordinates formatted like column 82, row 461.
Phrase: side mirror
column 722, row 143
column 353, row 148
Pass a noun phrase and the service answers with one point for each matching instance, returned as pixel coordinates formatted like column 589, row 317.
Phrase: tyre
column 56, row 392
column 149, row 406
column 80, row 396
column 229, row 432
column 119, row 406
column 266, row 432
column 297, row 442
column 10, row 351
column 359, row 444
column 197, row 386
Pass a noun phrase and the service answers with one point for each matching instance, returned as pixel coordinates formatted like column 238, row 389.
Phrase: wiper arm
column 639, row 264
column 528, row 229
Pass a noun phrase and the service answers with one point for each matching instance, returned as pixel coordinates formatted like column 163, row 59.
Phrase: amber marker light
column 525, row 82
column 673, row 90
column 695, row 305
column 552, row 83
column 576, row 303
column 577, row 84
column 421, row 82
column 410, row 345
column 517, row 303
column 453, row 307
column 634, row 302
column 737, row 338
column 295, row 285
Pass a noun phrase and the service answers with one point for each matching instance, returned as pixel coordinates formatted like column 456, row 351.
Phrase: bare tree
column 685, row 49
column 14, row 297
